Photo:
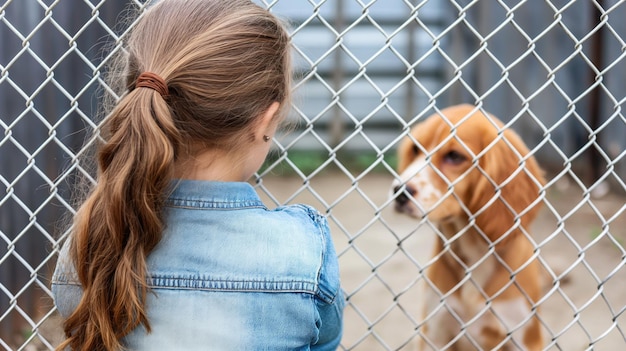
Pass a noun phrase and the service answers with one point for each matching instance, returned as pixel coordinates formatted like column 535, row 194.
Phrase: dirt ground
column 380, row 254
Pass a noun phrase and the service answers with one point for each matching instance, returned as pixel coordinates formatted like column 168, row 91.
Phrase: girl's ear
column 267, row 122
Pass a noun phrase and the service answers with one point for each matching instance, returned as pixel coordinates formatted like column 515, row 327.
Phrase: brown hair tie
column 152, row 81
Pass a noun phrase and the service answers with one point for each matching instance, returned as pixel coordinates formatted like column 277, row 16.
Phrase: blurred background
column 365, row 72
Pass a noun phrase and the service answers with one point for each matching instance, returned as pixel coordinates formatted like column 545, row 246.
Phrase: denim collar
column 212, row 194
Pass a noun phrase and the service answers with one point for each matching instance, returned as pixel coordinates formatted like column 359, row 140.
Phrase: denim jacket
column 230, row 274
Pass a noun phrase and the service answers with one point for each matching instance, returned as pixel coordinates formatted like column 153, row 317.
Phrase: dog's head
column 461, row 164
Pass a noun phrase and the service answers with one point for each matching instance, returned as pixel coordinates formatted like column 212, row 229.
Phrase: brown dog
column 479, row 185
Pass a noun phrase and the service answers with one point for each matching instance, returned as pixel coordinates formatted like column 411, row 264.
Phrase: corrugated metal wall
column 541, row 65
column 47, row 96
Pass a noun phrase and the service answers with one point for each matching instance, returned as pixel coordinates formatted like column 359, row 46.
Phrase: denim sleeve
column 330, row 324
column 329, row 300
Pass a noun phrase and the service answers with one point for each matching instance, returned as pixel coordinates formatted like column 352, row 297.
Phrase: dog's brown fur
column 479, row 185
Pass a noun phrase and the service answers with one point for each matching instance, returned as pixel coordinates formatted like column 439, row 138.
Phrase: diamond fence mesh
column 367, row 71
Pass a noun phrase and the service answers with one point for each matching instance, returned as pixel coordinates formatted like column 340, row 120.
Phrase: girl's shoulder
column 303, row 210
column 306, row 215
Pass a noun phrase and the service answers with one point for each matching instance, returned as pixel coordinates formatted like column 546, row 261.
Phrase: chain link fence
column 367, row 71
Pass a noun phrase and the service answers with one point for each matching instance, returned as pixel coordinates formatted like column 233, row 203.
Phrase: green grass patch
column 308, row 162
column 596, row 231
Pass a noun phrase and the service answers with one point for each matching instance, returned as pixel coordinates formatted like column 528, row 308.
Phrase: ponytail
column 225, row 63
column 120, row 223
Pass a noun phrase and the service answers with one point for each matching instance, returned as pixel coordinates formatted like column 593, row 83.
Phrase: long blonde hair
column 224, row 63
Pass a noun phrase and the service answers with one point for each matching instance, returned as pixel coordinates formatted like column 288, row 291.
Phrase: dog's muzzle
column 402, row 199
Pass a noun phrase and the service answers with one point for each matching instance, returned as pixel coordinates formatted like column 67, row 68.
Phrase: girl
column 172, row 249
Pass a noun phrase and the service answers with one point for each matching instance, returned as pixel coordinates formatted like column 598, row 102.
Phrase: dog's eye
column 454, row 157
column 415, row 149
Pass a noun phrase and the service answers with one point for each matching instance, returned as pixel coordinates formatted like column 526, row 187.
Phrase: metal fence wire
column 367, row 71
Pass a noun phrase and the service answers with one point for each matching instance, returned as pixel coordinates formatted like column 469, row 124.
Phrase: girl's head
column 224, row 62
column 227, row 71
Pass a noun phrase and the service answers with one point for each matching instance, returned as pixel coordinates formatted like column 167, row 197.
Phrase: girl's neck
column 211, row 165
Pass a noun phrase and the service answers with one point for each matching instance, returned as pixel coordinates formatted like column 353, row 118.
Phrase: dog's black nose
column 402, row 197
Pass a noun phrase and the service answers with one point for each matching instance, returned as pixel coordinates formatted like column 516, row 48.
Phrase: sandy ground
column 381, row 252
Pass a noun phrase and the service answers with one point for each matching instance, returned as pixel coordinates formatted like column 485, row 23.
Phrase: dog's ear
column 508, row 190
